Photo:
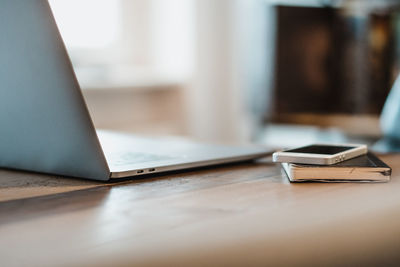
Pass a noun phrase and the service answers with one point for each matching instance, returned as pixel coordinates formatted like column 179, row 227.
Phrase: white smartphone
column 320, row 154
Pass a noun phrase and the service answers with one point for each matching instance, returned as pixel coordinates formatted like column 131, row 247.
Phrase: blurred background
column 278, row 72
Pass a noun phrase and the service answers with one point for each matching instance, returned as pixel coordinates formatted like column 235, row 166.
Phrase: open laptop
column 44, row 122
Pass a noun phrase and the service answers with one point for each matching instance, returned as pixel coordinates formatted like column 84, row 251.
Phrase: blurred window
column 88, row 23
column 114, row 43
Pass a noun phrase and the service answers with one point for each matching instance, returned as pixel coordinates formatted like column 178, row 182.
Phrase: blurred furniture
column 334, row 58
column 237, row 215
column 156, row 109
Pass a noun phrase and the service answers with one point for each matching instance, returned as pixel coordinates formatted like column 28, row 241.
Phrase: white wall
column 218, row 96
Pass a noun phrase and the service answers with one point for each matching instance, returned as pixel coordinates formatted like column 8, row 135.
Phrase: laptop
column 46, row 126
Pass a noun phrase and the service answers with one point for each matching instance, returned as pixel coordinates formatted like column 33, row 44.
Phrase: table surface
column 229, row 215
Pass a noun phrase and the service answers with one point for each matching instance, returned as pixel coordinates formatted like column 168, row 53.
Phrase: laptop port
column 152, row 170
column 140, row 171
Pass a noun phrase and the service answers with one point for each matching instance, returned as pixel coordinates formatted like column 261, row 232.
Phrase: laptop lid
column 44, row 122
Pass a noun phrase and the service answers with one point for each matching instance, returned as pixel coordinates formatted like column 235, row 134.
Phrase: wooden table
column 245, row 214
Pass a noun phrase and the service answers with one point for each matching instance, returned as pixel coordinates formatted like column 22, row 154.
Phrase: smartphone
column 320, row 154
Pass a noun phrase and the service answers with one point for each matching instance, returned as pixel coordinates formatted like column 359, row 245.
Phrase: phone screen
column 320, row 149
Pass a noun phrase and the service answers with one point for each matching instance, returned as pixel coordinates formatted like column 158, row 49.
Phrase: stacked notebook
column 366, row 168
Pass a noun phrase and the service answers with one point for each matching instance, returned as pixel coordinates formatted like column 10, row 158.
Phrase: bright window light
column 87, row 23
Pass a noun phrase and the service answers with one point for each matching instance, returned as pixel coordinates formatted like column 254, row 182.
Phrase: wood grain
column 246, row 214
column 19, row 185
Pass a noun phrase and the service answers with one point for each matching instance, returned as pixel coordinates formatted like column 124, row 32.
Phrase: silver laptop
column 44, row 122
